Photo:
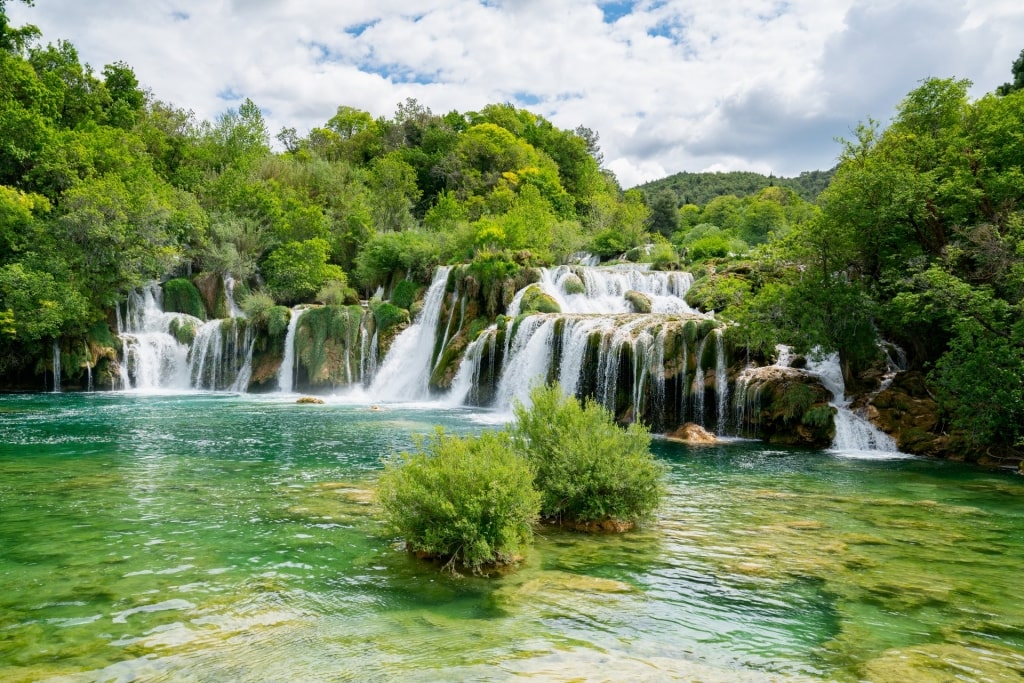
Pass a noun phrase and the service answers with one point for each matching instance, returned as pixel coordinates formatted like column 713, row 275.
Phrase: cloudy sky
column 670, row 85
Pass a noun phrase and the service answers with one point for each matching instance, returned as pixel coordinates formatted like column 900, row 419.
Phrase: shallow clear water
column 232, row 538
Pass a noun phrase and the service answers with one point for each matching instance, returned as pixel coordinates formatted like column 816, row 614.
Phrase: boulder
column 310, row 400
column 692, row 433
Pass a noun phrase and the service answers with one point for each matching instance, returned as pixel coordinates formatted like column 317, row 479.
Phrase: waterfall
column 88, row 368
column 528, row 361
column 405, row 374
column 853, row 432
column 56, row 367
column 746, row 402
column 721, row 382
column 604, row 289
column 229, row 294
column 241, row 382
column 153, row 359
column 289, row 366
column 367, row 352
column 698, row 384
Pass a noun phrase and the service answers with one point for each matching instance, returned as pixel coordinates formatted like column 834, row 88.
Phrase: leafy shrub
column 337, row 293
column 278, row 318
column 388, row 315
column 416, row 253
column 256, row 305
column 818, row 416
column 404, row 294
column 663, row 256
column 296, row 271
column 587, row 468
column 469, row 501
column 181, row 296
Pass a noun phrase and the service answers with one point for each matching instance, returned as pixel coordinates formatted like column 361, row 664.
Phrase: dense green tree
column 296, row 271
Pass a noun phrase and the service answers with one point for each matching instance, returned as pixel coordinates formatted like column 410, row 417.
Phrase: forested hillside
column 701, row 188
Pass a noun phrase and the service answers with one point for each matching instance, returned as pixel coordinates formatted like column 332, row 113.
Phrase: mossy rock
column 405, row 294
column 573, row 284
column 640, row 302
column 184, row 330
column 181, row 296
column 536, row 301
column 211, row 290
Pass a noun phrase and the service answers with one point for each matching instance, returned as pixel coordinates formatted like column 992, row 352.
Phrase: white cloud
column 670, row 86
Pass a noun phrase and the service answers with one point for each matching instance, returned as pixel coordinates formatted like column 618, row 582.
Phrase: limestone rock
column 692, row 433
column 310, row 400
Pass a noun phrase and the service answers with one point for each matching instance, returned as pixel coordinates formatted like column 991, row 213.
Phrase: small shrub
column 277, row 320
column 256, row 305
column 404, row 294
column 333, row 293
column 468, row 501
column 818, row 416
column 388, row 315
column 588, row 469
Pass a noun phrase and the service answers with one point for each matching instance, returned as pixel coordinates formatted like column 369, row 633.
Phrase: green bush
column 468, row 501
column 296, row 271
column 718, row 292
column 388, row 315
column 256, row 305
column 404, row 294
column 588, row 470
column 181, row 296
column 335, row 293
column 278, row 318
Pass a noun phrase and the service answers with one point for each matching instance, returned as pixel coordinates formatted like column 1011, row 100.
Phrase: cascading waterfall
column 56, row 367
column 229, row 294
column 153, row 359
column 289, row 368
column 853, row 432
column 721, row 382
column 528, row 361
column 698, row 384
column 405, row 374
column 88, row 368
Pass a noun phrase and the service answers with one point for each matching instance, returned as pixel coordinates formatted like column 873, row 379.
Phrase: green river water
column 233, row 538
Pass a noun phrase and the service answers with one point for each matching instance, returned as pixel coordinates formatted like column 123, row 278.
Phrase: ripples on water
column 214, row 537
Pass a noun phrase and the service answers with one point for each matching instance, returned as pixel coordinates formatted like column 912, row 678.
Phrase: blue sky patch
column 229, row 94
column 527, row 99
column 613, row 11
column 357, row 30
column 178, row 15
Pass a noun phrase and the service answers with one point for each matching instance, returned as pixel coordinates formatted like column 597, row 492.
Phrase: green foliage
column 388, row 315
column 796, row 401
column 278, row 318
column 468, row 501
column 413, row 252
column 324, row 336
column 256, row 305
column 297, row 270
column 701, row 188
column 337, row 293
column 404, row 294
column 181, row 296
column 587, row 468
column 719, row 293
column 817, row 417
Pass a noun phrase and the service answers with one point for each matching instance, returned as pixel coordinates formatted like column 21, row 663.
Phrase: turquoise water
column 226, row 538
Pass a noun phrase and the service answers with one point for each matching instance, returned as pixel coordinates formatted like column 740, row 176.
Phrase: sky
column 669, row 85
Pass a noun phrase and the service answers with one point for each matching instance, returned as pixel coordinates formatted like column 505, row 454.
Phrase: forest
column 916, row 238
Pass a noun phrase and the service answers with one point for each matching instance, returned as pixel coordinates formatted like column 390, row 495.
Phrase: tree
column 1018, row 77
column 664, row 213
column 296, row 271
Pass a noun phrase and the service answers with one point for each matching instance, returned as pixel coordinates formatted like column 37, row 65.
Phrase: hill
column 701, row 188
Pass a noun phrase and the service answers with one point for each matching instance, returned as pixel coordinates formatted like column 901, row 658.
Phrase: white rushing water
column 56, row 367
column 405, row 372
column 854, row 434
column 286, row 373
column 153, row 359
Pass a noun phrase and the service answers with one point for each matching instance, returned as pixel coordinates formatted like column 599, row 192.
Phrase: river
column 217, row 537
